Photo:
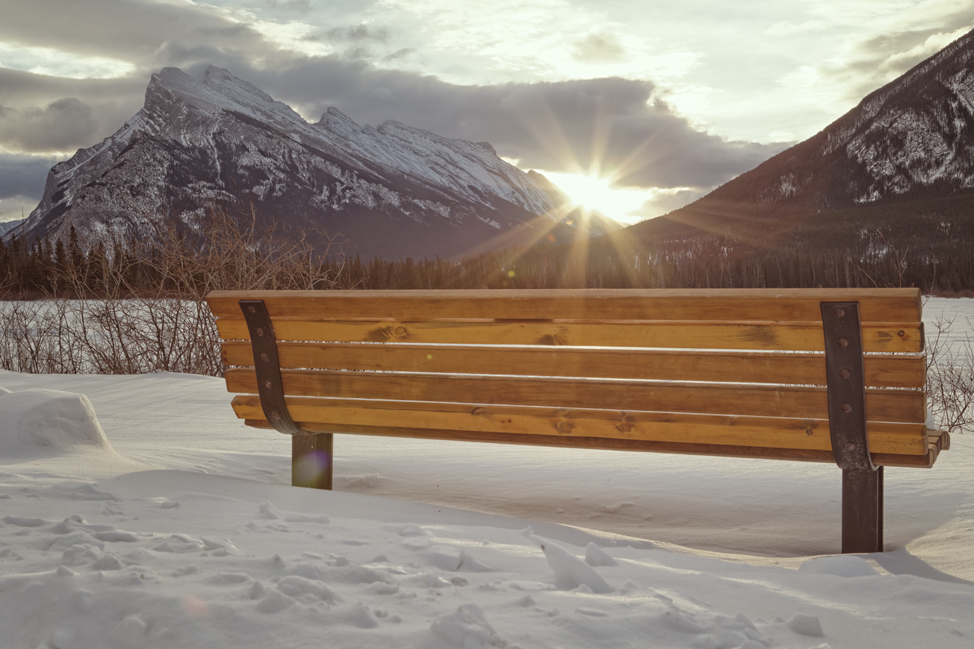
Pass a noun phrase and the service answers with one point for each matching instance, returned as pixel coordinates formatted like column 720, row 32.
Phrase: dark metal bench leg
column 311, row 460
column 862, row 510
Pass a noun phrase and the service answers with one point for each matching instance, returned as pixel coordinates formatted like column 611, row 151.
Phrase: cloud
column 665, row 202
column 23, row 176
column 64, row 124
column 616, row 125
column 881, row 59
column 611, row 124
column 897, row 53
column 893, row 45
column 402, row 53
column 130, row 30
column 16, row 208
column 358, row 33
column 297, row 6
column 599, row 48
column 45, row 114
column 26, row 89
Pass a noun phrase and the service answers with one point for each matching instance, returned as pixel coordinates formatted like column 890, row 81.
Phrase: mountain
column 910, row 143
column 7, row 226
column 391, row 191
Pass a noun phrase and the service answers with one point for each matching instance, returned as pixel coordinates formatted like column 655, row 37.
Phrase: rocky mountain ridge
column 391, row 190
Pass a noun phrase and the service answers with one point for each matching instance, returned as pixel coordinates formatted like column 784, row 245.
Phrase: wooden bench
column 833, row 375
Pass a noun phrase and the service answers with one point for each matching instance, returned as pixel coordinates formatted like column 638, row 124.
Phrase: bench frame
column 862, row 481
column 270, row 386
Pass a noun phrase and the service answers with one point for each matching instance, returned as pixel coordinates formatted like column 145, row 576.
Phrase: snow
column 137, row 511
column 37, row 421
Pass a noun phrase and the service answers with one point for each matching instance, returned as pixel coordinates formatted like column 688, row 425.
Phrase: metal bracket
column 270, row 387
column 862, row 483
column 846, row 380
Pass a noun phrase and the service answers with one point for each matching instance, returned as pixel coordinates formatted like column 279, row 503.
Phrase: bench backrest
column 725, row 372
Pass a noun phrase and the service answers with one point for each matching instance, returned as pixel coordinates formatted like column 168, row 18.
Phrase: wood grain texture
column 595, row 443
column 789, row 336
column 905, row 406
column 807, row 434
column 780, row 305
column 901, row 371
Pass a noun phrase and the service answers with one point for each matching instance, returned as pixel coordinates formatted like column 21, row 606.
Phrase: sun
column 597, row 193
column 587, row 191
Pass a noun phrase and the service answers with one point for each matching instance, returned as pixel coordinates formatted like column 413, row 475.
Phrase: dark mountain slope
column 911, row 141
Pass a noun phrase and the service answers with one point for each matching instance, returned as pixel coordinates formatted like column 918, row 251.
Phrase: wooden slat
column 879, row 459
column 903, row 439
column 906, row 406
column 666, row 365
column 790, row 336
column 782, row 305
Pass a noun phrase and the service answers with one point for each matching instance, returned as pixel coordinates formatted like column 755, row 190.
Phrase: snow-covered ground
column 145, row 515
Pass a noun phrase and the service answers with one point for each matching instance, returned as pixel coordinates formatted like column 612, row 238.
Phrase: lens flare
column 309, row 469
column 195, row 607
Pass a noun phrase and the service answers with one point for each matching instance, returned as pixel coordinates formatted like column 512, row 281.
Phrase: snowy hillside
column 145, row 515
column 391, row 190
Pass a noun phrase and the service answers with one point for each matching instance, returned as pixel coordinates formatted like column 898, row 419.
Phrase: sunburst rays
column 593, row 172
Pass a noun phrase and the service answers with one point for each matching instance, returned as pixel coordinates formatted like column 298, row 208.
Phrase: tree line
column 707, row 263
column 178, row 263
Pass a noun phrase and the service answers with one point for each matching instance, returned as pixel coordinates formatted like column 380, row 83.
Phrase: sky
column 633, row 107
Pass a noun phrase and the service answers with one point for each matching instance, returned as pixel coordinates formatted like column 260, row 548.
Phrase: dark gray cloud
column 128, row 30
column 563, row 126
column 399, row 54
column 25, row 89
column 64, row 124
column 23, row 175
column 56, row 114
column 357, row 33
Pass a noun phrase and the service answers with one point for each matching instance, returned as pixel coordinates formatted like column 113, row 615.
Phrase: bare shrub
column 37, row 338
column 140, row 306
column 950, row 375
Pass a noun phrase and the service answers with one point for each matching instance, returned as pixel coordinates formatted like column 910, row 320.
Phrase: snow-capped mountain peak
column 390, row 190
